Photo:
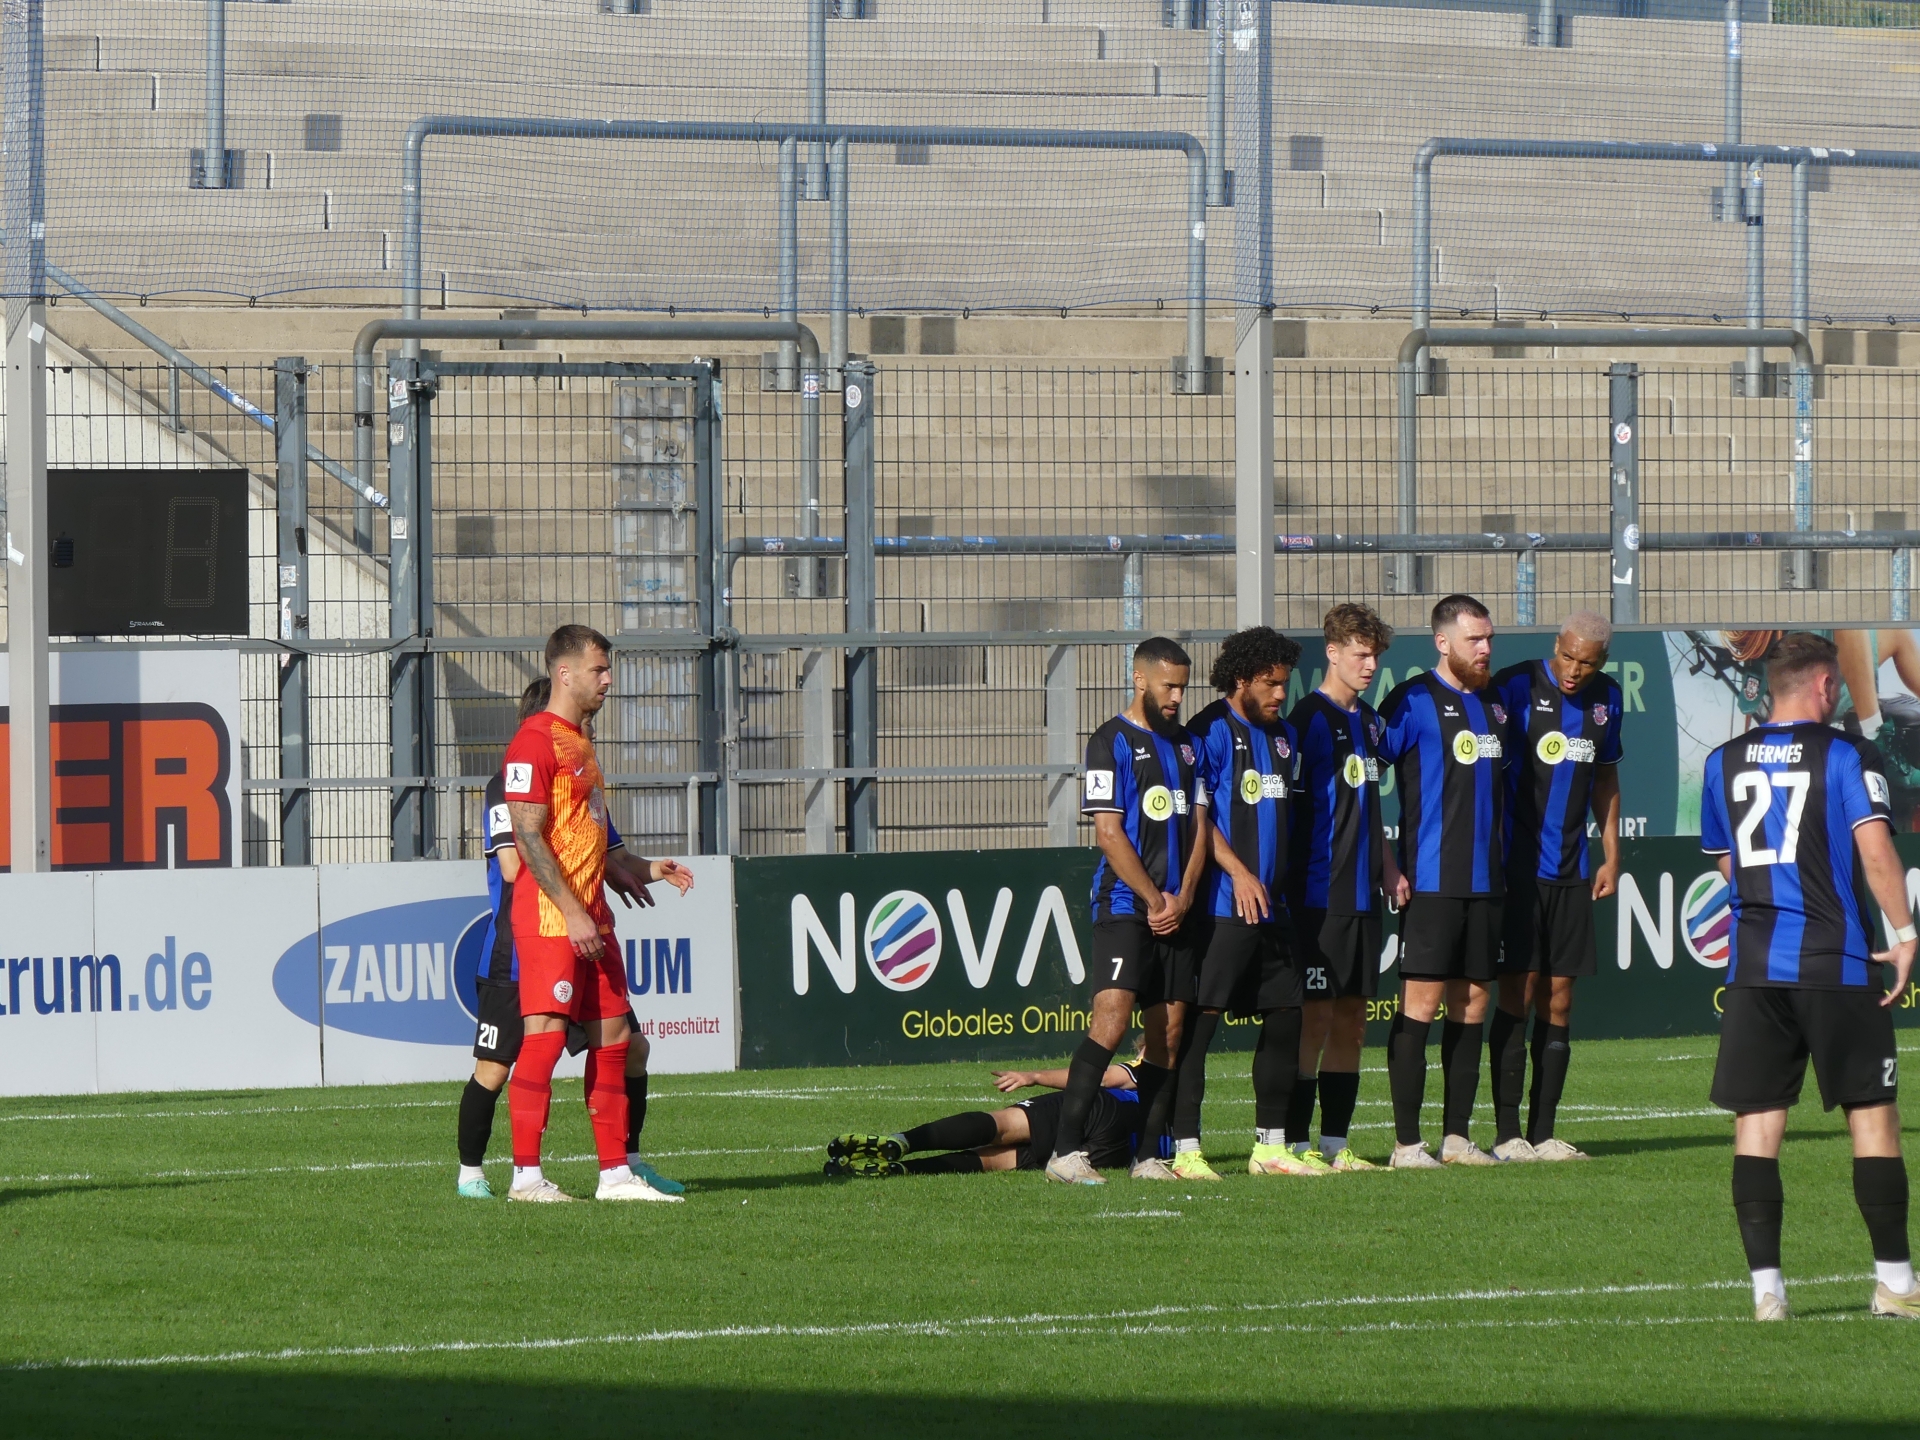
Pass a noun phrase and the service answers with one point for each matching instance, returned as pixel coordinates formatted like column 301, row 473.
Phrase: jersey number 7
column 1757, row 786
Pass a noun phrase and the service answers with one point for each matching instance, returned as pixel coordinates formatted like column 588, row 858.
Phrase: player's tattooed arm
column 529, row 838
column 1887, row 878
column 1606, row 809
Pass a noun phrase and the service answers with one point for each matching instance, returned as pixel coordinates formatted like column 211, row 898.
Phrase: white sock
column 1896, row 1275
column 616, row 1174
column 1869, row 729
column 471, row 1172
column 1269, row 1137
column 1186, row 1147
column 1332, row 1145
column 1768, row 1282
column 526, row 1175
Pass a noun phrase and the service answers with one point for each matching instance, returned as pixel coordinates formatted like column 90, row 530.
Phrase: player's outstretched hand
column 1901, row 958
column 1606, row 881
column 674, row 873
column 1250, row 901
column 1007, row 1081
column 630, row 890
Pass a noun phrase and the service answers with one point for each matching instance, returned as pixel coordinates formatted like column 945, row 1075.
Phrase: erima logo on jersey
column 1878, row 790
column 519, row 779
column 1139, row 752
column 1099, row 784
column 1764, row 754
column 1544, row 706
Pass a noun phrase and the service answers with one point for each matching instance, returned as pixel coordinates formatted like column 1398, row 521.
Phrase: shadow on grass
column 213, row 1403
column 13, row 1195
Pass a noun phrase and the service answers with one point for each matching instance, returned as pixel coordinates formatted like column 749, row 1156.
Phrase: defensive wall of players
column 363, row 974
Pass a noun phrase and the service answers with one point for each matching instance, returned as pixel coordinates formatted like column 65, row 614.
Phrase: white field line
column 349, row 1165
column 1111, row 1322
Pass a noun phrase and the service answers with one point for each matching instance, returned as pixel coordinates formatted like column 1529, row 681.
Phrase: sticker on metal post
column 810, row 386
column 396, row 393
column 1630, row 537
column 397, row 527
column 854, row 396
column 397, row 433
column 1623, row 434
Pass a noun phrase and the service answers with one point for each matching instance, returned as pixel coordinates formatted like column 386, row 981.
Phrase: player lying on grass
column 1019, row 1137
column 498, row 1030
column 563, row 936
column 1798, row 815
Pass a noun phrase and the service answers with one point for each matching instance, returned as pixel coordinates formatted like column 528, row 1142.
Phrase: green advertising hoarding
column 981, row 955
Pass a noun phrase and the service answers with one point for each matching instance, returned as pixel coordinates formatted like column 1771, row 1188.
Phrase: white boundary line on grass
column 1111, row 1322
column 348, row 1165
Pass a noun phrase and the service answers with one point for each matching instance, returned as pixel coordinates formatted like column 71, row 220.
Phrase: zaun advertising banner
column 982, row 955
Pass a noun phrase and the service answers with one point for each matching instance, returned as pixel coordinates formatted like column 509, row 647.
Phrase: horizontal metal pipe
column 1661, row 150
column 1491, row 542
column 1650, row 337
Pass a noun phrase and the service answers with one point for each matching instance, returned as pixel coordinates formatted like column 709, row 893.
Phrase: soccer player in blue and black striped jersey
column 1798, row 813
column 1249, row 761
column 1343, row 870
column 1150, row 821
column 1445, row 734
column 1563, row 747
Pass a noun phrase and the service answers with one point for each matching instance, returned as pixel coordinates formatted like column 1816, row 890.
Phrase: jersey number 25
column 1757, row 787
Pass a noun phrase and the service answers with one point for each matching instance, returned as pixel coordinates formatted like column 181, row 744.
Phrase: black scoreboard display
column 147, row 552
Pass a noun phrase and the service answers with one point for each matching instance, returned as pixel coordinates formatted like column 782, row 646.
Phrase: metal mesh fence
column 581, row 482
column 319, row 95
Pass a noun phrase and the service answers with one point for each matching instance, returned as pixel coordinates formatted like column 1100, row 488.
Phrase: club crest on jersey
column 1375, row 730
column 1186, row 753
column 563, row 991
column 1499, row 713
column 1281, row 747
column 1354, row 771
column 1600, row 715
column 1157, row 803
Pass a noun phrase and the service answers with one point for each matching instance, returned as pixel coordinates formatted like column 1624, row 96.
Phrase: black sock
column 1158, row 1089
column 1553, row 1052
column 961, row 1162
column 1191, row 1087
column 1757, row 1204
column 1880, row 1190
column 955, row 1132
column 1299, row 1121
column 1276, row 1070
column 1084, row 1073
column 636, row 1110
column 1507, row 1039
column 1339, row 1093
column 1407, row 1075
column 476, row 1121
column 1460, row 1066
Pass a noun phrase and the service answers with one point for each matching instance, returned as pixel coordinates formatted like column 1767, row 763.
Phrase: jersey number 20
column 1757, row 787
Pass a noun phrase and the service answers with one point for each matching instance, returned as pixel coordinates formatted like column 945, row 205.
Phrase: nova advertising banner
column 390, row 974
column 897, row 959
column 146, row 756
column 119, row 981
column 965, row 955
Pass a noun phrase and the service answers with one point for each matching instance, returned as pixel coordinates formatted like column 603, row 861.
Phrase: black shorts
column 1108, row 1136
column 500, row 1029
column 1339, row 955
column 1443, row 938
column 1548, row 930
column 1767, row 1033
column 1129, row 956
column 1246, row 968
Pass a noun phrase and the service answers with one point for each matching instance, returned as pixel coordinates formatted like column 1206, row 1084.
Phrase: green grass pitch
column 302, row 1258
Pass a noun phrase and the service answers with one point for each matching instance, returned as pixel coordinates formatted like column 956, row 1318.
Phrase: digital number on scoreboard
column 147, row 552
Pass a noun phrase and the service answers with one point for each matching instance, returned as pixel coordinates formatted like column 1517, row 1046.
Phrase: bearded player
column 562, row 927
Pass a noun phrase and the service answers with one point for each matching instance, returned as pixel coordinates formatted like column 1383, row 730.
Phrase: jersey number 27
column 1757, row 787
